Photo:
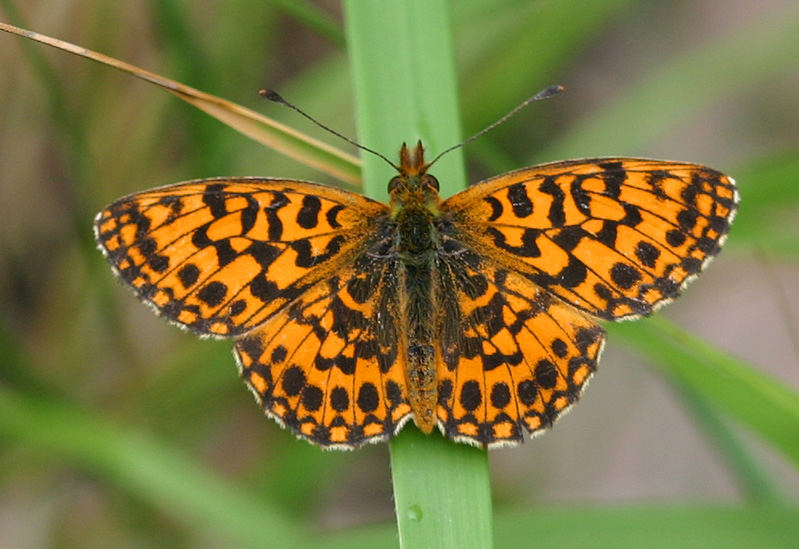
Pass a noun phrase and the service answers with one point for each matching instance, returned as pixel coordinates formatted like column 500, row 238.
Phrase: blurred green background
column 118, row 429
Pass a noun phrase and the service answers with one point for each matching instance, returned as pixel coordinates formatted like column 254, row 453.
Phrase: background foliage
column 116, row 429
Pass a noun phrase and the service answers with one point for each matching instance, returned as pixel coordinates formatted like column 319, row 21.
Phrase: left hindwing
column 615, row 237
column 330, row 366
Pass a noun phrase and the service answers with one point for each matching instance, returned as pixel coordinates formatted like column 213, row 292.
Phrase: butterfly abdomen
column 415, row 245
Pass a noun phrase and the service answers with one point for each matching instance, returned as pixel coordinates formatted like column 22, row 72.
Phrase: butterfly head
column 413, row 185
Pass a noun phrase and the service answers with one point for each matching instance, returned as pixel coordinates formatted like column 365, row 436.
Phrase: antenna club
column 551, row 91
column 271, row 95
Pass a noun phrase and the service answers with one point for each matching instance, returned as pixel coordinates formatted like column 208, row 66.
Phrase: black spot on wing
column 213, row 293
column 545, row 374
column 471, row 395
column 527, row 392
column 214, row 198
column 556, row 215
column 614, row 177
column 332, row 214
column 279, row 354
column 265, row 254
column 675, row 238
column 279, row 200
column 581, row 197
column 496, row 207
column 647, row 253
column 238, row 307
column 308, row 216
column 339, row 399
column 519, row 201
column 624, row 276
column 293, row 381
column 188, row 275
column 312, row 397
column 687, row 219
column 159, row 263
column 500, row 395
column 368, row 398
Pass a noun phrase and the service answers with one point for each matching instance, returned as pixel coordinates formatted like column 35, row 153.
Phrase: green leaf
column 405, row 89
column 758, row 401
column 769, row 201
column 684, row 526
column 164, row 477
column 650, row 526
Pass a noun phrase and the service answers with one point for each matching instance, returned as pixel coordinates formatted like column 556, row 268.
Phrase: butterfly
column 477, row 315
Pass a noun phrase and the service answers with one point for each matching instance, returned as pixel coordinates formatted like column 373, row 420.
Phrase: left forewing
column 221, row 256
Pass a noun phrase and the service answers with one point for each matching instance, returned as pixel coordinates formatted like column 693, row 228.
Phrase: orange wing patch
column 614, row 237
column 220, row 256
column 329, row 366
column 512, row 357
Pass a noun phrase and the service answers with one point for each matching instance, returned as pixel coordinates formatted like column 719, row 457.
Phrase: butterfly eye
column 431, row 181
column 394, row 183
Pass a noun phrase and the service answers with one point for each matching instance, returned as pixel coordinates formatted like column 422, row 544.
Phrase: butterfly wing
column 511, row 357
column 221, row 256
column 329, row 366
column 615, row 237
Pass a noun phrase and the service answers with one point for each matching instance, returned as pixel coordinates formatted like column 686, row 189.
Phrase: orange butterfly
column 475, row 314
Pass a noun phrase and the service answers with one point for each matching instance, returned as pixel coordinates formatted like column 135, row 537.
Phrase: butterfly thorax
column 414, row 207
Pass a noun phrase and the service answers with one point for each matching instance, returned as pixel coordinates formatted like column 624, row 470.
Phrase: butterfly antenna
column 272, row 95
column 546, row 93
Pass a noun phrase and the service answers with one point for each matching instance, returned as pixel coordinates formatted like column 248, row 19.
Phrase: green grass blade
column 761, row 403
column 683, row 526
column 405, row 90
column 770, row 198
column 650, row 526
column 165, row 478
column 441, row 492
column 754, row 481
